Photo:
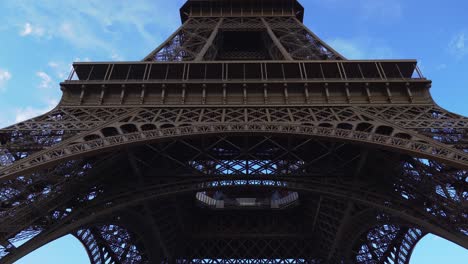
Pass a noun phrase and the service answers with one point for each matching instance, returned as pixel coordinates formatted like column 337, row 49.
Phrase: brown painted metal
column 242, row 105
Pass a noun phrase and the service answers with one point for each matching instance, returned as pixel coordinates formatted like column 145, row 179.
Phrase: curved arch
column 119, row 243
column 312, row 186
column 60, row 250
column 388, row 250
column 81, row 148
column 357, row 248
column 102, row 207
column 91, row 236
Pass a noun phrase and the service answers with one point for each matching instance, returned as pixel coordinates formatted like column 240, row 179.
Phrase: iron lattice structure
column 243, row 138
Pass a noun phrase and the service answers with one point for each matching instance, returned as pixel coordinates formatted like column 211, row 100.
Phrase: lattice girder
column 200, row 38
column 185, row 157
column 143, row 125
column 368, row 196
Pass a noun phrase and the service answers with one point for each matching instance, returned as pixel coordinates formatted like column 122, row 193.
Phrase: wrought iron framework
column 243, row 138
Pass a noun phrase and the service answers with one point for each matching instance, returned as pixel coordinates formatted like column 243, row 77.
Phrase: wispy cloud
column 46, row 80
column 5, row 76
column 60, row 69
column 442, row 66
column 96, row 25
column 361, row 48
column 25, row 113
column 385, row 10
column 28, row 29
column 458, row 45
column 117, row 57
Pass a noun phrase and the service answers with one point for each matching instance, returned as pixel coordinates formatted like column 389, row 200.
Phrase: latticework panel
column 126, row 159
column 202, row 38
column 300, row 164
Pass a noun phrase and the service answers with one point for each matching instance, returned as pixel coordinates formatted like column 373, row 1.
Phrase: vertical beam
column 339, row 56
column 278, row 44
column 156, row 232
column 210, row 40
column 150, row 56
column 349, row 206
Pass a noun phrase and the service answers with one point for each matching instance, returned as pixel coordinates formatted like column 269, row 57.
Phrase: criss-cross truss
column 243, row 138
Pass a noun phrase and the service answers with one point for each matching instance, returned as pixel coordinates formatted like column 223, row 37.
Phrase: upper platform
column 241, row 8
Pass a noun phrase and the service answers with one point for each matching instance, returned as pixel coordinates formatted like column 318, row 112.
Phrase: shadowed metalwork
column 243, row 138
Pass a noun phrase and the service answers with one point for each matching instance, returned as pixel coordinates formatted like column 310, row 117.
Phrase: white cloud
column 442, row 66
column 347, row 48
column 116, row 57
column 29, row 29
column 46, row 80
column 83, row 60
column 460, row 41
column 4, row 77
column 385, row 10
column 25, row 113
column 458, row 45
column 97, row 25
column 361, row 48
column 53, row 64
column 60, row 69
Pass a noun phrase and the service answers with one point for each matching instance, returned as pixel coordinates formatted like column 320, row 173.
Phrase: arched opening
column 433, row 249
column 67, row 249
column 129, row 128
column 364, row 127
column 384, row 130
column 110, row 131
column 91, row 137
column 167, row 126
column 403, row 136
column 345, row 126
column 325, row 125
column 148, row 127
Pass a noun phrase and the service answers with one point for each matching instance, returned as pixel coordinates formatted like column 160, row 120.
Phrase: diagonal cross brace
column 278, row 44
column 209, row 42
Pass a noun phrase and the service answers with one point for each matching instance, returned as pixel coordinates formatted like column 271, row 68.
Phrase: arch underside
column 346, row 203
column 118, row 127
column 303, row 162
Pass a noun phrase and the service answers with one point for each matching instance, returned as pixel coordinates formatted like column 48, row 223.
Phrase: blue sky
column 40, row 39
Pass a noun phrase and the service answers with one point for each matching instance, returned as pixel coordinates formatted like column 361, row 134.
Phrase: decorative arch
column 79, row 148
column 100, row 208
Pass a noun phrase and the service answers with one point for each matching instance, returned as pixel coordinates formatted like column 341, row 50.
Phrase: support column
column 278, row 44
column 150, row 56
column 210, row 40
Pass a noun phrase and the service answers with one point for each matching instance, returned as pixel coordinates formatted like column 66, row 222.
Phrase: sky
column 41, row 38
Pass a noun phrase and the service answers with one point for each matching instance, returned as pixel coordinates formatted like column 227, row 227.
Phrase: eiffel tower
column 243, row 138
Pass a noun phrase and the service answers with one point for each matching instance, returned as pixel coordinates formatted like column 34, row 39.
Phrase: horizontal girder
column 243, row 138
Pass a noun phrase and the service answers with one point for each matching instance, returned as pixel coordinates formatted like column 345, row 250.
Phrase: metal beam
column 349, row 207
column 278, row 44
column 169, row 39
column 209, row 42
column 147, row 209
column 320, row 40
